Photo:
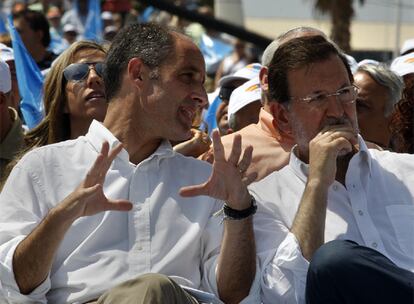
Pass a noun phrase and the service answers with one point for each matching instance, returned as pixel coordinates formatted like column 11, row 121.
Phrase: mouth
column 95, row 96
column 187, row 113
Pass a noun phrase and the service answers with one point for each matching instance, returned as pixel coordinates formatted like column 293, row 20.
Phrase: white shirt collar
column 98, row 133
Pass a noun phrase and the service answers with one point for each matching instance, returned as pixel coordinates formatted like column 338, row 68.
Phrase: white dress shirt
column 375, row 209
column 163, row 233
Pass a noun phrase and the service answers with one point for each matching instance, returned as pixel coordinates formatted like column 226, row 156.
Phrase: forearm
column 237, row 261
column 33, row 257
column 309, row 223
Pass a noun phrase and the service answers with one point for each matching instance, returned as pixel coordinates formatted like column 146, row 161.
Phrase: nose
column 93, row 78
column 334, row 107
column 200, row 97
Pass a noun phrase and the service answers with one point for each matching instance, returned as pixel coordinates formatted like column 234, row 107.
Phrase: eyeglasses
column 79, row 71
column 345, row 95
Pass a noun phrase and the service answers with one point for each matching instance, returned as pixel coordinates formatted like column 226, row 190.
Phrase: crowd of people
column 289, row 182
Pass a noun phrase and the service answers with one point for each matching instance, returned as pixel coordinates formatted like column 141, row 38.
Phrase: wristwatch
column 233, row 214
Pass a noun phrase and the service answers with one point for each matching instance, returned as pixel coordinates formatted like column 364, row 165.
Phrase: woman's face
column 86, row 97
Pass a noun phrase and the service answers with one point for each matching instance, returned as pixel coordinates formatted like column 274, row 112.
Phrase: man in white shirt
column 334, row 189
column 61, row 245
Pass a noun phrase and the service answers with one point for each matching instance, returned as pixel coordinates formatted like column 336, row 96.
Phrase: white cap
column 407, row 45
column 248, row 72
column 106, row 15
column 5, row 77
column 403, row 65
column 69, row 28
column 6, row 53
column 245, row 94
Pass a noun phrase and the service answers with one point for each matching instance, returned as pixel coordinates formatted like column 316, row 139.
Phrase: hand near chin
column 89, row 198
column 228, row 180
column 331, row 143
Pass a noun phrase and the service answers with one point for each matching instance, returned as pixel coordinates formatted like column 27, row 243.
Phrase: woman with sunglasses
column 74, row 95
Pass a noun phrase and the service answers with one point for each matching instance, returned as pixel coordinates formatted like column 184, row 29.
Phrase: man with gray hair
column 379, row 90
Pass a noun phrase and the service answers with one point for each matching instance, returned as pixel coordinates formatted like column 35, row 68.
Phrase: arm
column 309, row 223
column 228, row 182
column 33, row 257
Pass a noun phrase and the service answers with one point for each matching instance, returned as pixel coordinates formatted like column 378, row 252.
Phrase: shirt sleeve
column 20, row 213
column 284, row 269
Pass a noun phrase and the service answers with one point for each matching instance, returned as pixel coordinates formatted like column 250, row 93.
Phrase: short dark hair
column 297, row 53
column 37, row 22
column 150, row 42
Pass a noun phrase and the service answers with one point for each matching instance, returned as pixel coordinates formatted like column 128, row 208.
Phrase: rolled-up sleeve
column 19, row 215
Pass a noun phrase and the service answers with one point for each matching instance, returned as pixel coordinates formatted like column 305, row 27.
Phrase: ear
column 264, row 84
column 281, row 120
column 136, row 70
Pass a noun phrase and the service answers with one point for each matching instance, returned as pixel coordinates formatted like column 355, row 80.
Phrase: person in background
column 227, row 85
column 77, row 16
column 244, row 105
column 234, row 62
column 11, row 131
column 70, row 34
column 334, row 225
column 379, row 91
column 402, row 123
column 33, row 28
column 73, row 97
column 7, row 55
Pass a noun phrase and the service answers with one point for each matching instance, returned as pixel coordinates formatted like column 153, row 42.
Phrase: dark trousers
column 345, row 272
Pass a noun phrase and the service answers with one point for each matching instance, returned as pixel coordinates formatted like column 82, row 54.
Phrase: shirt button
column 375, row 245
column 139, row 208
column 139, row 248
column 361, row 213
column 335, row 187
column 353, row 186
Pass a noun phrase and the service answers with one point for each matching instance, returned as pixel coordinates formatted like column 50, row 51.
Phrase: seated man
column 379, row 91
column 334, row 189
column 271, row 145
column 61, row 245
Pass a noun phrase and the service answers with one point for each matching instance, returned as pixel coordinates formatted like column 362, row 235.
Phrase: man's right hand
column 324, row 149
column 89, row 198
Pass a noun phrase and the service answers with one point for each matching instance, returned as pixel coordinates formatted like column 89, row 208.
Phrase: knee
column 156, row 280
column 332, row 259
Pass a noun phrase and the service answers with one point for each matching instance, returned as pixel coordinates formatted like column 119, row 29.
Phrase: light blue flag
column 93, row 26
column 30, row 80
column 209, row 122
column 214, row 50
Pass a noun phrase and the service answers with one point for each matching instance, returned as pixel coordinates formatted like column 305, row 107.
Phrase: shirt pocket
column 402, row 220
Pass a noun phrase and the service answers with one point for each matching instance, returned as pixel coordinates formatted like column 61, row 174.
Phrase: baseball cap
column 248, row 72
column 6, row 53
column 403, row 65
column 368, row 61
column 5, row 77
column 69, row 28
column 106, row 15
column 407, row 46
column 245, row 94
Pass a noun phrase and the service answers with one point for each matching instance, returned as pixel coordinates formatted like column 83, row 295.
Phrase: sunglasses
column 79, row 71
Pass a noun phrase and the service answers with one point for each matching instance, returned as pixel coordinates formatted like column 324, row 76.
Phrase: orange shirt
column 270, row 151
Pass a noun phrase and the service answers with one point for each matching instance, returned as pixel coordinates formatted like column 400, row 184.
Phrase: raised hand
column 89, row 199
column 325, row 148
column 227, row 181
